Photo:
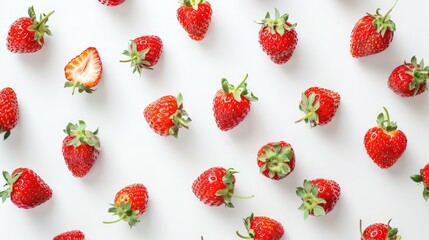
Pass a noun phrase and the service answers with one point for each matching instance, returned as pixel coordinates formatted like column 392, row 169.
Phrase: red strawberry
column 80, row 148
column 379, row 231
column 144, row 52
column 232, row 104
column 70, row 235
column 319, row 196
column 166, row 115
column 130, row 203
column 84, row 71
column 423, row 176
column 276, row 160
column 195, row 17
column 385, row 144
column 215, row 186
column 9, row 112
column 409, row 79
column 26, row 34
column 25, row 188
column 319, row 105
column 372, row 34
column 262, row 228
column 278, row 37
column 112, row 2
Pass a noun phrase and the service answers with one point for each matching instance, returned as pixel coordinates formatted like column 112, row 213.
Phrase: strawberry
column 70, row 235
column 166, row 115
column 9, row 113
column 84, row 71
column 232, row 104
column 319, row 105
column 80, row 148
column 423, row 176
column 195, row 17
column 409, row 79
column 278, row 37
column 144, row 52
column 25, row 188
column 262, row 228
column 372, row 34
column 215, row 187
column 111, row 3
column 129, row 204
column 379, row 231
column 26, row 34
column 319, row 196
column 385, row 144
column 276, row 160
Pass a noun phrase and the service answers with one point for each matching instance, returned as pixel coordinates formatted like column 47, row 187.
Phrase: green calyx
column 39, row 27
column 383, row 23
column 136, row 58
column 180, row 118
column 79, row 86
column 125, row 213
column 418, row 178
column 81, row 135
column 239, row 90
column 309, row 106
column 392, row 232
column 228, row 192
column 310, row 200
column 419, row 72
column 278, row 24
column 10, row 180
column 251, row 233
column 276, row 160
column 6, row 133
column 384, row 121
column 192, row 3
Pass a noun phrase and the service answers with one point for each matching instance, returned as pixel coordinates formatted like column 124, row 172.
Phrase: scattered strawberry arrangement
column 276, row 160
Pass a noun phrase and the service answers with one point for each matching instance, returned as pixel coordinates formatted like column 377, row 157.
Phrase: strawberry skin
column 423, row 176
column 166, row 115
column 9, row 113
column 111, row 2
column 379, row 231
column 276, row 160
column 129, row 204
column 70, row 235
column 278, row 37
column 409, row 79
column 25, row 188
column 262, row 228
column 195, row 17
column 26, row 33
column 144, row 52
column 84, row 71
column 385, row 144
column 319, row 196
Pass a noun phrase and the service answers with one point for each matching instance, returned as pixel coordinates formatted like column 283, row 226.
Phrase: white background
column 132, row 152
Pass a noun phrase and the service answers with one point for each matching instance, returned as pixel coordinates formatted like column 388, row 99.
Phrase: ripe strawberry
column 84, row 71
column 379, row 231
column 276, row 160
column 319, row 105
column 232, row 104
column 319, row 196
column 26, row 34
column 278, row 37
column 215, row 186
column 144, row 52
column 9, row 112
column 385, row 144
column 70, row 235
column 409, row 79
column 25, row 188
column 423, row 176
column 129, row 204
column 111, row 2
column 262, row 228
column 80, row 148
column 195, row 17
column 372, row 34
column 166, row 115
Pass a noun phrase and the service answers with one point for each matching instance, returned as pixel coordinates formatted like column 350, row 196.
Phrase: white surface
column 132, row 152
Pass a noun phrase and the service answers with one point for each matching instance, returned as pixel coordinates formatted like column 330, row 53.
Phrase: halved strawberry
column 84, row 71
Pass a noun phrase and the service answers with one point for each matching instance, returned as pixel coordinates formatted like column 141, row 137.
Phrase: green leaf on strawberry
column 278, row 24
column 81, row 135
column 239, row 90
column 383, row 23
column 311, row 202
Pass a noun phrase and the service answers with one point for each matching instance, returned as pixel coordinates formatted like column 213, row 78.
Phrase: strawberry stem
column 241, row 83
column 390, row 10
column 305, row 117
column 388, row 117
column 115, row 221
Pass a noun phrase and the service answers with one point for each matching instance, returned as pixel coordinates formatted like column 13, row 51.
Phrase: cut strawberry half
column 84, row 71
